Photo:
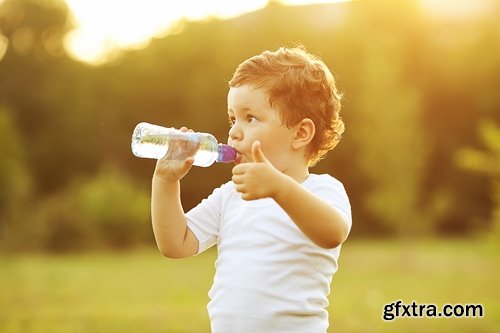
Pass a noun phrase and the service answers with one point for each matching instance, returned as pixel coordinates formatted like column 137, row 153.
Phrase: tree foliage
column 486, row 162
column 416, row 87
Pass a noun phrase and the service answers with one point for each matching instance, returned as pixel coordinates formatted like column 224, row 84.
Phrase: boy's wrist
column 282, row 187
column 163, row 179
column 286, row 187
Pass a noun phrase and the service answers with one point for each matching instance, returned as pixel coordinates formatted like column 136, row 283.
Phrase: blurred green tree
column 15, row 180
column 486, row 162
column 387, row 124
column 415, row 88
column 45, row 91
column 106, row 211
column 457, row 74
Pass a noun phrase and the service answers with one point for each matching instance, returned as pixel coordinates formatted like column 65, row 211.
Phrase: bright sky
column 107, row 25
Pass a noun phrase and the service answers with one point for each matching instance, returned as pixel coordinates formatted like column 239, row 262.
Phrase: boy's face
column 252, row 118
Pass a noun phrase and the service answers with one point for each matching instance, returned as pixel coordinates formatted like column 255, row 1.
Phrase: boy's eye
column 231, row 121
column 250, row 118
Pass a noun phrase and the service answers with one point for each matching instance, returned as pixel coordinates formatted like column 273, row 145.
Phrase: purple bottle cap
column 226, row 153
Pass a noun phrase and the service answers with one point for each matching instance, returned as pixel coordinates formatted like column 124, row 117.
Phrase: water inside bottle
column 149, row 145
column 152, row 141
column 156, row 145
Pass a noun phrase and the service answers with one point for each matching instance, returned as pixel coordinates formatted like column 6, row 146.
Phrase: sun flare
column 102, row 27
column 105, row 26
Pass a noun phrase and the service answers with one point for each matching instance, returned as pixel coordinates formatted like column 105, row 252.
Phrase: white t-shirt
column 269, row 276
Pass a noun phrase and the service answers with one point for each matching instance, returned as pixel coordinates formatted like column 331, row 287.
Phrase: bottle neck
column 226, row 153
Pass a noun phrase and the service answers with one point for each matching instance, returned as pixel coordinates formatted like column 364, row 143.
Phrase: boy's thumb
column 257, row 153
column 187, row 164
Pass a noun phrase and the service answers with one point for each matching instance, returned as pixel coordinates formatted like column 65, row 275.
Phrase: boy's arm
column 173, row 238
column 315, row 217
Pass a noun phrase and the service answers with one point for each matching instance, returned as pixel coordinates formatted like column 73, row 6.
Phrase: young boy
column 278, row 228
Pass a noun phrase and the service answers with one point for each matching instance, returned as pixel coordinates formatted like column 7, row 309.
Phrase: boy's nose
column 235, row 133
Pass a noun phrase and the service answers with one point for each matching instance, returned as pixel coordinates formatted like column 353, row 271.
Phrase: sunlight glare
column 457, row 8
column 308, row 2
column 103, row 27
column 127, row 24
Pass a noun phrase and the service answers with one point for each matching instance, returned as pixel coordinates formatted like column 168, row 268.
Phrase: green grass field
column 143, row 292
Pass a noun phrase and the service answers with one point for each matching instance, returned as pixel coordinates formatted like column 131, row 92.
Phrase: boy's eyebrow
column 238, row 110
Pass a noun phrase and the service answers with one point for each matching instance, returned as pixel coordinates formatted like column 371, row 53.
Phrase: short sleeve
column 332, row 191
column 204, row 219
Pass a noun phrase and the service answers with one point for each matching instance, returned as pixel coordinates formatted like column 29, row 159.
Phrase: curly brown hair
column 299, row 85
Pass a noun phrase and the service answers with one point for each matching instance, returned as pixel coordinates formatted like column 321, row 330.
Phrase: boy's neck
column 299, row 174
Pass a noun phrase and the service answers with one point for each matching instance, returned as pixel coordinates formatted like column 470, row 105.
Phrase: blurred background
column 420, row 157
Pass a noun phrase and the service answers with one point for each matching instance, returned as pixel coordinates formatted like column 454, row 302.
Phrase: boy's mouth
column 238, row 159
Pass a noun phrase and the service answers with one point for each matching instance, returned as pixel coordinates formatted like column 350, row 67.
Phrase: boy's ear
column 304, row 133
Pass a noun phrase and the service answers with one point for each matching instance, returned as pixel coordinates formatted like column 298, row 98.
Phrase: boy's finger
column 239, row 169
column 257, row 153
column 187, row 164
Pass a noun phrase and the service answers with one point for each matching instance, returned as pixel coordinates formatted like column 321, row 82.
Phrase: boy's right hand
column 170, row 167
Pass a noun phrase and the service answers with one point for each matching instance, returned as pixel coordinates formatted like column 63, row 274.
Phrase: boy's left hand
column 257, row 179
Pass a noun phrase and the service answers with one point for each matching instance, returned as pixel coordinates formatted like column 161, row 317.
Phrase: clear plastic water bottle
column 153, row 141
